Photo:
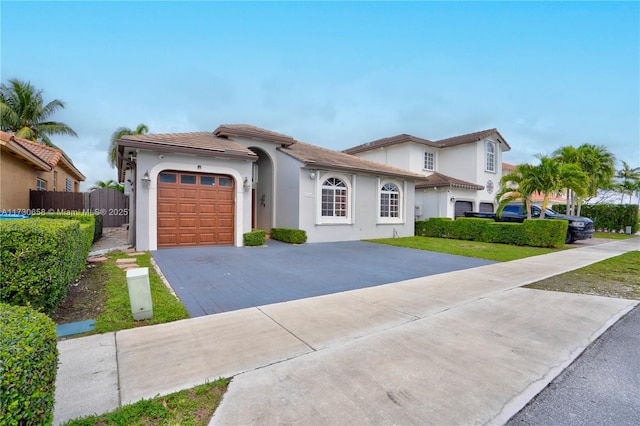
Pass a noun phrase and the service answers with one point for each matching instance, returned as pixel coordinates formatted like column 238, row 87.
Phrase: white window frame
column 68, row 185
column 380, row 189
column 41, row 184
column 490, row 157
column 329, row 220
column 433, row 156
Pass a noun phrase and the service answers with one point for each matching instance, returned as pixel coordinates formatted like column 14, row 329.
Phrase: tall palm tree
column 120, row 132
column 108, row 184
column 597, row 162
column 630, row 179
column 517, row 185
column 551, row 176
column 24, row 113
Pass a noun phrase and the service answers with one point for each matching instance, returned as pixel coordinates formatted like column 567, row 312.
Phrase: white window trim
column 44, row 184
column 350, row 185
column 486, row 156
column 401, row 208
column 435, row 160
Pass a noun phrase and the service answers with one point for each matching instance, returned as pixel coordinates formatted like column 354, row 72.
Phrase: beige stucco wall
column 63, row 174
column 16, row 179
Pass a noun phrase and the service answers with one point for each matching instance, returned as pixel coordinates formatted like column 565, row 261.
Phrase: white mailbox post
column 140, row 293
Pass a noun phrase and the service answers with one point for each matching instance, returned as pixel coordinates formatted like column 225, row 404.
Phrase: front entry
column 195, row 209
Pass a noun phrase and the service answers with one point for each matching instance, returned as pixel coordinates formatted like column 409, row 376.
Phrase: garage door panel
column 195, row 209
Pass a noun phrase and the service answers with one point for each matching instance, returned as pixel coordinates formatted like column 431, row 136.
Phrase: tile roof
column 393, row 140
column 201, row 143
column 442, row 143
column 437, row 180
column 252, row 132
column 317, row 157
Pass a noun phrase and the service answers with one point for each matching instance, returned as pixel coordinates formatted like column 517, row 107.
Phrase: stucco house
column 26, row 165
column 461, row 173
column 209, row 188
column 536, row 197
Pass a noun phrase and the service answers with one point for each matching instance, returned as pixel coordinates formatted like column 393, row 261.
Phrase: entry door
column 195, row 209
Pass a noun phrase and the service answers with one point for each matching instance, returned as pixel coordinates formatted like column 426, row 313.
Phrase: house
column 536, row 197
column 209, row 188
column 461, row 173
column 26, row 165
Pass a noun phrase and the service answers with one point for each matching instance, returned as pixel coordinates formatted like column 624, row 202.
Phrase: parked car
column 580, row 228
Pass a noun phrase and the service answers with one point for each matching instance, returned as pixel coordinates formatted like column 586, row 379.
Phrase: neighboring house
column 536, row 197
column 26, row 165
column 210, row 188
column 462, row 173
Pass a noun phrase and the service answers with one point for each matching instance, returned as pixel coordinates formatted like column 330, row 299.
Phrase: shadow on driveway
column 211, row 280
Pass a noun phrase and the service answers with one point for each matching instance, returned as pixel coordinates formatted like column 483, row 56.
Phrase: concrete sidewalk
column 457, row 348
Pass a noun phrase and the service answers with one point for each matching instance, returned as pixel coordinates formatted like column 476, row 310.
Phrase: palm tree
column 115, row 136
column 24, row 113
column 551, row 177
column 517, row 185
column 596, row 162
column 108, row 184
column 630, row 180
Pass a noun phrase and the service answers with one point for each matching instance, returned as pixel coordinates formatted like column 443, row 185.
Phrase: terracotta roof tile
column 252, row 132
column 437, row 180
column 393, row 140
column 193, row 142
column 442, row 143
column 317, row 157
column 49, row 155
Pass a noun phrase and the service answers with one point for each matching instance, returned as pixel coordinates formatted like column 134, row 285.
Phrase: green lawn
column 489, row 251
column 191, row 407
column 116, row 314
column 616, row 277
column 612, row 236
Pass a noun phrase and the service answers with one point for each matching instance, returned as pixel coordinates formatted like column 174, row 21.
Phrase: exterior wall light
column 246, row 185
column 312, row 174
column 146, row 180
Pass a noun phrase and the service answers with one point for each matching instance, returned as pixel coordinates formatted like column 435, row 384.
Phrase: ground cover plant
column 615, row 277
column 489, row 251
column 191, row 407
column 612, row 236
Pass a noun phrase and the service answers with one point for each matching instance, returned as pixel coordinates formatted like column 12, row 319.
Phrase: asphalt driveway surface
column 211, row 280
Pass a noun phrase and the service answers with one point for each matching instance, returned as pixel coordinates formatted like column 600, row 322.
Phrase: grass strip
column 615, row 277
column 612, row 236
column 116, row 314
column 191, row 407
column 489, row 251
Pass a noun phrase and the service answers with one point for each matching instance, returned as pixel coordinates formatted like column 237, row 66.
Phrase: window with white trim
column 41, row 184
column 55, row 180
column 491, row 157
column 334, row 198
column 429, row 161
column 68, row 185
column 389, row 201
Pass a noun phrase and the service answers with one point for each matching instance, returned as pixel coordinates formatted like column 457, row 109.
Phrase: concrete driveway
column 211, row 280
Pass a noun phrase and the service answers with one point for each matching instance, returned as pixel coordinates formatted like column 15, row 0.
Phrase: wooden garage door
column 195, row 209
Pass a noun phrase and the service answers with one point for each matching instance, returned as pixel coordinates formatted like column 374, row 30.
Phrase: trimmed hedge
column 608, row 217
column 40, row 258
column 533, row 232
column 93, row 219
column 292, row 236
column 28, row 366
column 256, row 237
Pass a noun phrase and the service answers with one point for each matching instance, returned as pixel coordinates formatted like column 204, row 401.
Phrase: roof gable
column 317, row 157
column 252, row 132
column 471, row 138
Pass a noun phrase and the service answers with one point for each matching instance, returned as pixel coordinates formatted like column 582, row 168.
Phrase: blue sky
column 335, row 74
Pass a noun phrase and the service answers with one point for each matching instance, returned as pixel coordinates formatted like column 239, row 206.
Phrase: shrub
column 293, row 236
column 40, row 258
column 534, row 232
column 28, row 366
column 608, row 217
column 92, row 219
column 435, row 227
column 256, row 237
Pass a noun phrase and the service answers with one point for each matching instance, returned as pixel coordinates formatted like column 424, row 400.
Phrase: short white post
column 140, row 293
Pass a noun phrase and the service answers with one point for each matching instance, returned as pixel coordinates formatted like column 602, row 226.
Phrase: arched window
column 389, row 201
column 334, row 198
column 491, row 157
